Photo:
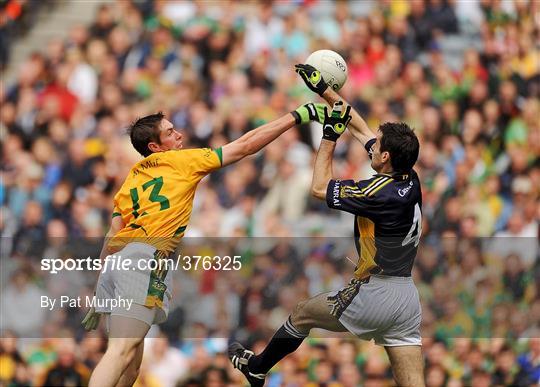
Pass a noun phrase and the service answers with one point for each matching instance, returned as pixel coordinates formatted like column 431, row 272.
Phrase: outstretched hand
column 336, row 122
column 312, row 78
column 309, row 112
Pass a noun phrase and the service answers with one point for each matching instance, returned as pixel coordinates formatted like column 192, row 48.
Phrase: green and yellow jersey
column 156, row 199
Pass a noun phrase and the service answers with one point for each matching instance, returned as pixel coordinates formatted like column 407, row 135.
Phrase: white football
column 332, row 66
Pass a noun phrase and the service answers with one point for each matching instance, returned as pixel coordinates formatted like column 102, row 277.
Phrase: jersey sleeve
column 198, row 162
column 369, row 146
column 116, row 209
column 359, row 198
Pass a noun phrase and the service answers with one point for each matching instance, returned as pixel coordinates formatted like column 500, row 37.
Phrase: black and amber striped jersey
column 388, row 220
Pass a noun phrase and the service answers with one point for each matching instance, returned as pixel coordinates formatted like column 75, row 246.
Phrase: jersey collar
column 396, row 175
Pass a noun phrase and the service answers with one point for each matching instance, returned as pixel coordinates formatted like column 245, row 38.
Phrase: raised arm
column 323, row 171
column 334, row 125
column 357, row 126
column 256, row 139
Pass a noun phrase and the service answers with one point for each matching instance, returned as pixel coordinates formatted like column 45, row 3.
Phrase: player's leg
column 315, row 313
column 132, row 372
column 407, row 365
column 126, row 334
column 312, row 313
column 402, row 340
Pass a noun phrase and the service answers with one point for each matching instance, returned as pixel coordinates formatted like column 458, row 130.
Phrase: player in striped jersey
column 381, row 301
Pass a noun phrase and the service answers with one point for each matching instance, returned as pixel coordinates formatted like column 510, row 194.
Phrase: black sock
column 286, row 340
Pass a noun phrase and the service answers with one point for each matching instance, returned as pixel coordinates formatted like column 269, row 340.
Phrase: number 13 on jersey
column 156, row 184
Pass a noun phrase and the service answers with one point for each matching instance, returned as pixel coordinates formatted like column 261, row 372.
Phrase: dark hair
column 399, row 140
column 145, row 130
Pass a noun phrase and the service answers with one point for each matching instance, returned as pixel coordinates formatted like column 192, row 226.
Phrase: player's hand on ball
column 91, row 320
column 309, row 112
column 336, row 122
column 312, row 78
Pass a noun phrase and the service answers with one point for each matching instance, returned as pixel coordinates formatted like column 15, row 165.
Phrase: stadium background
column 464, row 74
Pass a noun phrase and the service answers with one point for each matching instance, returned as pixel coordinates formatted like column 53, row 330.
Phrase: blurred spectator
column 167, row 364
column 16, row 18
column 67, row 370
column 104, row 22
column 529, row 372
column 506, row 368
column 13, row 368
column 19, row 303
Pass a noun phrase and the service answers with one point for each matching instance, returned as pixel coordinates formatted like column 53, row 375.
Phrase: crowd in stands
column 16, row 19
column 464, row 74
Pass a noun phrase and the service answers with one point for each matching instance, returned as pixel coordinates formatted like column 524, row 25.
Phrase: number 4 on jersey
column 416, row 228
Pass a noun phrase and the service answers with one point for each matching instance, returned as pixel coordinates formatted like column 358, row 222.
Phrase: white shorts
column 384, row 308
column 138, row 312
column 149, row 294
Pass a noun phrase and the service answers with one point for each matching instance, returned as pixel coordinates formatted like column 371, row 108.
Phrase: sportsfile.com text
column 116, row 262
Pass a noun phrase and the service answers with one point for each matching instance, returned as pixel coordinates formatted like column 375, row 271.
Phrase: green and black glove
column 336, row 123
column 309, row 112
column 91, row 320
column 312, row 78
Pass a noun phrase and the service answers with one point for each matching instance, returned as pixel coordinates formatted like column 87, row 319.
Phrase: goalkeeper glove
column 309, row 112
column 335, row 123
column 312, row 78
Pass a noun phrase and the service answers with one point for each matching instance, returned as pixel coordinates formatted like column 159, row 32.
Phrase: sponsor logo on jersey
column 336, row 193
column 404, row 191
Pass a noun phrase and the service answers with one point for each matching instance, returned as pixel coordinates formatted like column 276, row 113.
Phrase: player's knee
column 131, row 376
column 135, row 371
column 124, row 349
column 300, row 317
column 298, row 312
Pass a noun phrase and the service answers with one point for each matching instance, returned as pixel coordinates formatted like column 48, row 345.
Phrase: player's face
column 169, row 137
column 379, row 160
